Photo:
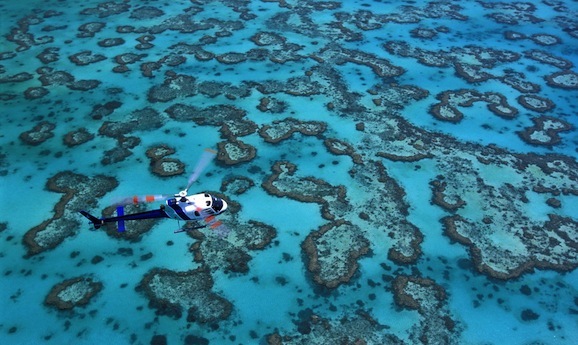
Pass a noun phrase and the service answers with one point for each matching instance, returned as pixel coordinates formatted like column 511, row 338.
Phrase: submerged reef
column 72, row 293
column 359, row 328
column 340, row 243
column 430, row 300
column 79, row 192
column 233, row 253
column 174, row 293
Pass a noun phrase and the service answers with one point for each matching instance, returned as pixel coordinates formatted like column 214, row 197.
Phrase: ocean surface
column 396, row 171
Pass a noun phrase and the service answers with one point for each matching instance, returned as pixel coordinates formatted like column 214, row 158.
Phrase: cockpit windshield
column 217, row 204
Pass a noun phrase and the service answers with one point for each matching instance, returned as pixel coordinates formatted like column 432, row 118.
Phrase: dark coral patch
column 424, row 33
column 283, row 129
column 111, row 42
column 173, row 293
column 447, row 108
column 159, row 151
column 72, row 293
column 86, row 57
column 518, row 81
column 166, row 167
column 39, row 134
column 341, row 147
column 106, row 9
column 417, row 293
column 564, row 79
column 272, row 105
column 545, row 131
column 232, row 255
column 90, row 29
column 545, row 39
column 450, row 203
column 174, row 86
column 502, row 263
column 236, row 185
column 49, row 55
column 77, row 137
column 79, row 192
column 99, row 111
column 234, row 151
column 283, row 183
column 536, row 103
column 332, row 252
column 548, row 58
column 146, row 12
column 35, row 92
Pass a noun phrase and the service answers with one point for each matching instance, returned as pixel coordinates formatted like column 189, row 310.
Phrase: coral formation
column 174, row 293
column 72, row 293
column 79, row 192
column 341, row 244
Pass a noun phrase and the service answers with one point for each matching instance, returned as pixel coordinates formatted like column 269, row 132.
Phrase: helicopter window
column 217, row 204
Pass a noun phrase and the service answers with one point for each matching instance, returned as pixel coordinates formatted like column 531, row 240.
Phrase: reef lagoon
column 397, row 172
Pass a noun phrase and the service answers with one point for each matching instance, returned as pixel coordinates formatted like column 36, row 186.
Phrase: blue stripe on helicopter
column 173, row 204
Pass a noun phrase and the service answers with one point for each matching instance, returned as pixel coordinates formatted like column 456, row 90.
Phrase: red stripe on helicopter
column 216, row 224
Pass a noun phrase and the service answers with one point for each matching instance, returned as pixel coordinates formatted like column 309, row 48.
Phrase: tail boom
column 98, row 222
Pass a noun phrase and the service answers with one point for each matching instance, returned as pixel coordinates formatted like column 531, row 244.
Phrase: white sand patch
column 506, row 240
column 549, row 124
column 540, row 136
column 535, row 102
column 170, row 167
column 75, row 292
column 570, row 80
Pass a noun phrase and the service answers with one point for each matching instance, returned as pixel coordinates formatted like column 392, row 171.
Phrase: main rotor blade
column 203, row 162
column 137, row 199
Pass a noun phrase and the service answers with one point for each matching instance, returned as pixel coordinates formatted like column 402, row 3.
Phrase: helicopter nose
column 224, row 208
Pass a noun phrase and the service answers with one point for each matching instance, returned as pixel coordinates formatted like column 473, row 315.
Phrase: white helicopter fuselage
column 194, row 207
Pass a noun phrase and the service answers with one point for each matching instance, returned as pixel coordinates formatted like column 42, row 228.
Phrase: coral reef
column 39, row 134
column 284, row 183
column 231, row 254
column 359, row 328
column 72, row 293
column 545, row 131
column 79, row 192
column 340, row 244
column 430, row 300
column 283, row 129
column 447, row 108
column 174, row 293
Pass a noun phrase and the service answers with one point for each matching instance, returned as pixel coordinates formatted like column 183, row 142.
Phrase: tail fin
column 95, row 221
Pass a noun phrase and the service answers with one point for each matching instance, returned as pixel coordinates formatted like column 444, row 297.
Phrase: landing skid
column 190, row 228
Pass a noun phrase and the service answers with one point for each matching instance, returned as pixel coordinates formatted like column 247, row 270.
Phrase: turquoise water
column 507, row 275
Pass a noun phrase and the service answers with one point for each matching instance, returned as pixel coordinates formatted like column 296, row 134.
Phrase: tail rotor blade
column 206, row 158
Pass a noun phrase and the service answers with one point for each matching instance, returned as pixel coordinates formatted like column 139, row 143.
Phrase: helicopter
column 181, row 206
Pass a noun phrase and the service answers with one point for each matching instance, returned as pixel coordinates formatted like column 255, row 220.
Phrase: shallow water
column 398, row 224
